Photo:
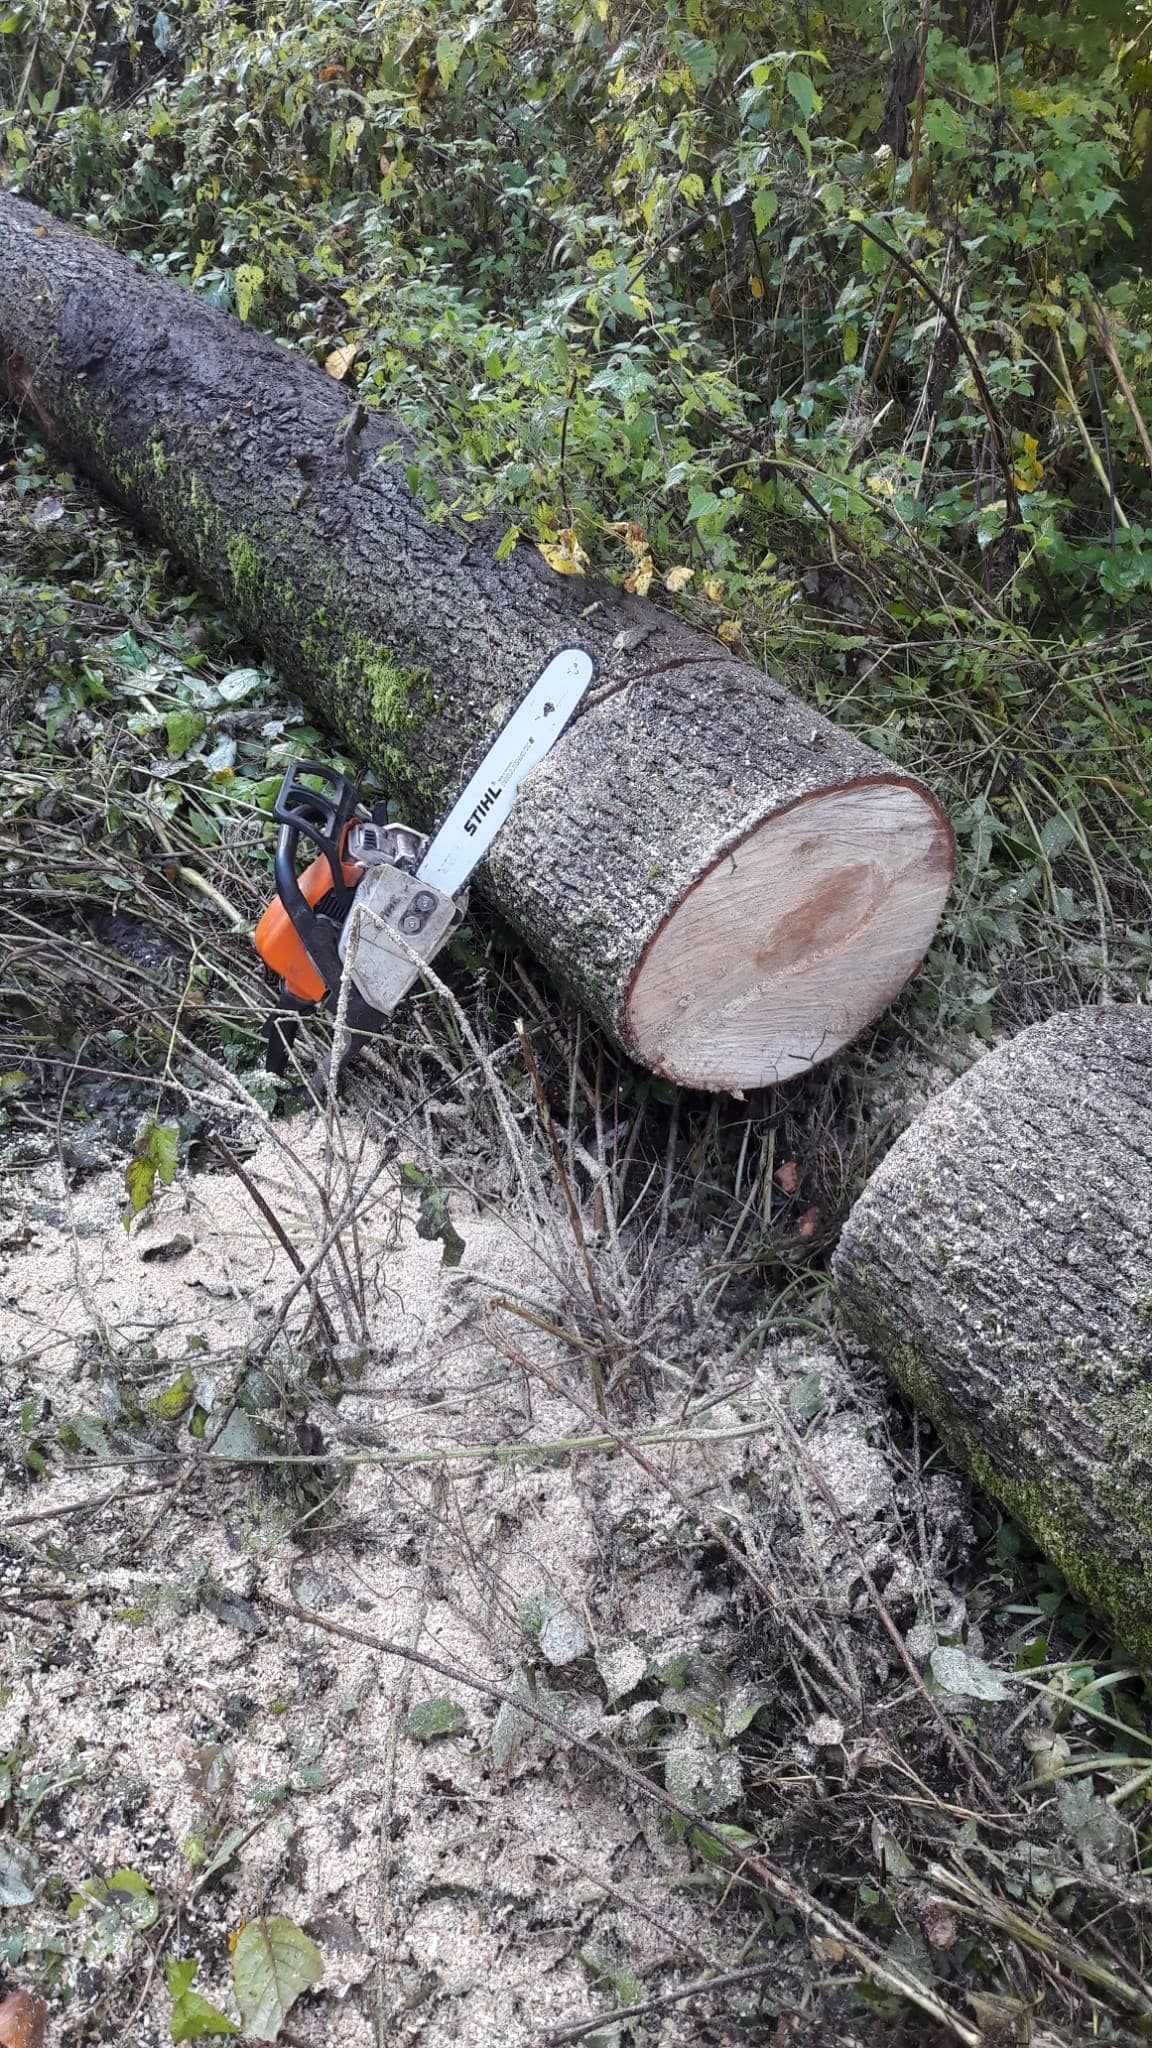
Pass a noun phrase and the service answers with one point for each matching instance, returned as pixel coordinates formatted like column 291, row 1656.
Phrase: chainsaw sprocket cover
column 397, row 923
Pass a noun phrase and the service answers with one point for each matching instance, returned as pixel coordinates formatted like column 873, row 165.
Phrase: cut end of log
column 794, row 940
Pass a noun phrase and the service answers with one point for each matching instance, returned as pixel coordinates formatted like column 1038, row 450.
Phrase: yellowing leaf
column 248, row 280
column 155, row 1156
column 729, row 632
column 565, row 555
column 341, row 360
column 632, row 534
column 1028, row 470
column 826, row 1949
column 678, row 579
column 639, row 581
column 756, row 286
column 714, row 590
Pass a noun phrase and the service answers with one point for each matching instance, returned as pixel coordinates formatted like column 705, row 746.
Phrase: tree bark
column 732, row 886
column 1000, row 1264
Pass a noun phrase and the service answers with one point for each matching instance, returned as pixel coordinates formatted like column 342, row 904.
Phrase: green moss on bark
column 376, row 703
column 243, row 565
column 1109, row 1567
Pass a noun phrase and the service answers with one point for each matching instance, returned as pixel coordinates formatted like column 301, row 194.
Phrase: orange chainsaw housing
column 279, row 943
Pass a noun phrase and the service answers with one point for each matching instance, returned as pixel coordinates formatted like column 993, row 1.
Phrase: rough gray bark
column 415, row 644
column 1000, row 1264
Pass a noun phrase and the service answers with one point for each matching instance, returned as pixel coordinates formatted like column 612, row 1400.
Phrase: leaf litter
column 505, row 1866
column 178, row 1756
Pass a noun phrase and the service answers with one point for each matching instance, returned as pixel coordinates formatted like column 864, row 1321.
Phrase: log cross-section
column 729, row 883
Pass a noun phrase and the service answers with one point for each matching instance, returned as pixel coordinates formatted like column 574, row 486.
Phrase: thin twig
column 398, row 1461
column 702, row 1987
column 1139, row 422
column 574, row 1218
column 991, row 413
column 386, row 2021
column 277, row 1228
column 90, row 1506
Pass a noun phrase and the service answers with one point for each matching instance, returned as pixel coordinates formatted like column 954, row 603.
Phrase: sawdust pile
column 477, row 1888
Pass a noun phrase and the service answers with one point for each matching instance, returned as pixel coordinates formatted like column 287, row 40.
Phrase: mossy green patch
column 1110, row 1568
column 243, row 565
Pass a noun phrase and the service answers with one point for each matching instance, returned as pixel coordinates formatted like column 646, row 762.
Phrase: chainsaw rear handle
column 319, row 936
column 296, row 941
column 304, row 813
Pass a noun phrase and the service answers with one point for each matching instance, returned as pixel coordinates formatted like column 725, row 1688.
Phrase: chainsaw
column 379, row 900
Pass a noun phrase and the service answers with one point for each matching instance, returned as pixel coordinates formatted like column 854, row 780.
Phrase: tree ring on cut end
column 802, row 932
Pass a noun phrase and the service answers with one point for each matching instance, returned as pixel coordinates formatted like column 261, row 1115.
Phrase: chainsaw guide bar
column 380, row 900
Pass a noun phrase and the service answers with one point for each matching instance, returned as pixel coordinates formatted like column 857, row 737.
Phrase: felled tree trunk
column 1000, row 1264
column 728, row 883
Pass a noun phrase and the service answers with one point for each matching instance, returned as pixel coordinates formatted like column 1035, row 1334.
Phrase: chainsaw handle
column 317, row 935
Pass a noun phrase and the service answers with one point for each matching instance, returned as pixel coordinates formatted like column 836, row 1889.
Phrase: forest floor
column 730, row 1673
column 698, row 1600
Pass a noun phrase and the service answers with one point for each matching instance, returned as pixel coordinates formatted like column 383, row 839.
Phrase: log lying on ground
column 1000, row 1264
column 728, row 883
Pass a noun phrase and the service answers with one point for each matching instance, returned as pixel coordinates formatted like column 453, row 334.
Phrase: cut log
column 1000, row 1264
column 731, row 885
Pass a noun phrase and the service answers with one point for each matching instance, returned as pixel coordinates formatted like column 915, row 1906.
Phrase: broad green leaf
column 164, row 1143
column 873, row 258
column 133, row 1886
column 1058, row 834
column 193, row 2018
column 174, row 1399
column 944, row 126
column 804, row 93
column 139, row 1179
column 273, row 1961
column 765, row 207
column 448, row 54
column 155, row 1156
column 741, row 1710
column 430, row 1719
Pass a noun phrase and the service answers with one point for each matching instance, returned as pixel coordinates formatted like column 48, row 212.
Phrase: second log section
column 725, row 881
